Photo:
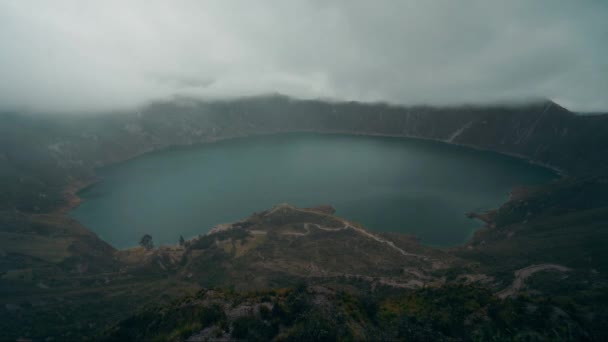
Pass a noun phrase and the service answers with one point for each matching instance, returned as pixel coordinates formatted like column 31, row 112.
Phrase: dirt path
column 317, row 272
column 359, row 230
column 522, row 274
column 381, row 240
column 346, row 225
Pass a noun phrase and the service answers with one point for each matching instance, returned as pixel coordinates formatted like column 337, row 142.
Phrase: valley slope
column 546, row 243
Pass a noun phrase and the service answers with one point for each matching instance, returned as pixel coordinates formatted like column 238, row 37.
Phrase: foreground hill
column 292, row 273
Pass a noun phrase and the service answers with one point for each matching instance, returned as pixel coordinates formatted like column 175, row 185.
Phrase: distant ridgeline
column 40, row 156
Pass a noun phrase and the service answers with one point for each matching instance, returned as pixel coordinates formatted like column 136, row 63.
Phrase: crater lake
column 418, row 187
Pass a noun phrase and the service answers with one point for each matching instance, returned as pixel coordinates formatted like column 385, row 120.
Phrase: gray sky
column 101, row 55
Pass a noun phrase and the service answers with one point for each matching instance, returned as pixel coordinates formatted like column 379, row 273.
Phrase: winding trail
column 346, row 225
column 360, row 231
column 522, row 274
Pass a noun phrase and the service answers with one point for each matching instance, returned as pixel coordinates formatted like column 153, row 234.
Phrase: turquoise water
column 387, row 184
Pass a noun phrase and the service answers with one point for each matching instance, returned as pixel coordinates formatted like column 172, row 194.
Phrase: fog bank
column 92, row 56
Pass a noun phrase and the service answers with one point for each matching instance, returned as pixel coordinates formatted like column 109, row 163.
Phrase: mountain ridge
column 545, row 133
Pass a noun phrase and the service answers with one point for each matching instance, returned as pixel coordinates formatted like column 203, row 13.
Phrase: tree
column 181, row 240
column 146, row 242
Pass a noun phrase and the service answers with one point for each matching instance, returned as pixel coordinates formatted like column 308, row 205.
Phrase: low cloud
column 94, row 56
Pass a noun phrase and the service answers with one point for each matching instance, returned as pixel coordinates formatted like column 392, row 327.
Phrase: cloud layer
column 104, row 55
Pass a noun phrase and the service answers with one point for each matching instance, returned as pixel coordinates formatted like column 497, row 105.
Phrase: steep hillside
column 41, row 156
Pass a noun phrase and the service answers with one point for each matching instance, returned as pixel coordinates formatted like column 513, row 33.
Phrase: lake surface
column 387, row 184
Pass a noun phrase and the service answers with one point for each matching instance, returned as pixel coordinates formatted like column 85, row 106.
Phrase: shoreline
column 71, row 195
column 560, row 172
column 71, row 191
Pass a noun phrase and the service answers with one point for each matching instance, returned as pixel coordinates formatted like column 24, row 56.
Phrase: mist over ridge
column 67, row 56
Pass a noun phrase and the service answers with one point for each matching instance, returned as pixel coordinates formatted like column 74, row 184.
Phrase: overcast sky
column 100, row 55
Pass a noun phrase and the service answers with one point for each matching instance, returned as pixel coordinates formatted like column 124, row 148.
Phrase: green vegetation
column 146, row 242
column 322, row 314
